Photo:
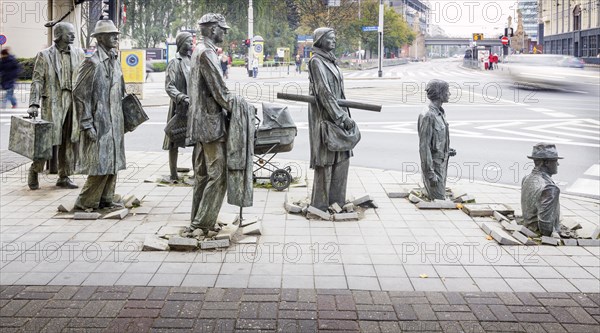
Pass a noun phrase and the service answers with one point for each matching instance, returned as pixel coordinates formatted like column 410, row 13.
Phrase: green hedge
column 27, row 66
column 238, row 63
column 159, row 66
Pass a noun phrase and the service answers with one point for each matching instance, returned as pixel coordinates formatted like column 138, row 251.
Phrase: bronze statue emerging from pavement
column 332, row 132
column 221, row 127
column 434, row 140
column 176, row 82
column 98, row 94
column 539, row 193
column 52, row 85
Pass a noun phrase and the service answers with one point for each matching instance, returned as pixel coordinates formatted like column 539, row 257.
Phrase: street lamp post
column 380, row 33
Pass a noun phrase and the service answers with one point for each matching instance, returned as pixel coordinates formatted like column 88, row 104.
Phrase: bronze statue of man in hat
column 221, row 128
column 539, row 194
column 52, row 83
column 98, row 93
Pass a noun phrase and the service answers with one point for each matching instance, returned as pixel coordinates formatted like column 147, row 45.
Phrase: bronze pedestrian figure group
column 83, row 97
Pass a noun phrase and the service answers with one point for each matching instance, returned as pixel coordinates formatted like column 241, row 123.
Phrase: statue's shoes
column 110, row 205
column 66, row 182
column 32, row 180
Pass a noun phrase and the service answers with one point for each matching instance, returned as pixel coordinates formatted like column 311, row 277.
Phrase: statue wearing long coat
column 434, row 148
column 46, row 86
column 177, row 78
column 98, row 94
column 331, row 167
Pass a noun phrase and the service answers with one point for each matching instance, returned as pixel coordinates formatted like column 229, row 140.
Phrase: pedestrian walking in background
column 298, row 64
column 224, row 59
column 9, row 72
column 254, row 67
column 491, row 61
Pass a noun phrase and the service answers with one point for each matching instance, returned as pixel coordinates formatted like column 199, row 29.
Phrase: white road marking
column 585, row 186
column 594, row 170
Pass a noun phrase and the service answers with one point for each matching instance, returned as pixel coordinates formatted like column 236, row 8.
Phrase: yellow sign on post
column 477, row 36
column 133, row 64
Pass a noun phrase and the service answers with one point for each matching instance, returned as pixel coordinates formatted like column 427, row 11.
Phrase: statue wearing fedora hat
column 52, row 82
column 220, row 126
column 98, row 93
column 539, row 194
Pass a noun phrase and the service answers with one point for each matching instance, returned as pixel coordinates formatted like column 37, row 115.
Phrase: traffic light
column 109, row 10
column 477, row 36
column 247, row 42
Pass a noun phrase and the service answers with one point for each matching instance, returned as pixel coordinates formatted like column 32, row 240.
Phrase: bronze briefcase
column 31, row 138
column 133, row 113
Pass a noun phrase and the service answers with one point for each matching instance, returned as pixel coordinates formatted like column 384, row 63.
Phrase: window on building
column 584, row 47
column 577, row 18
column 593, row 42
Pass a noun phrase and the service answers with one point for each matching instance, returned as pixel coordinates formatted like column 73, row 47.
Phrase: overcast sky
column 461, row 18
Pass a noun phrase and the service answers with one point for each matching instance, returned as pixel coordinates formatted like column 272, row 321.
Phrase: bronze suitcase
column 31, row 138
column 133, row 113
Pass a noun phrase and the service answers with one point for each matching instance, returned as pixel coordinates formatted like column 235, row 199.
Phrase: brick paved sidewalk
column 177, row 309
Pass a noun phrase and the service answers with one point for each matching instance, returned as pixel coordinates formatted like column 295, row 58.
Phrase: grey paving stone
column 213, row 244
column 317, row 212
column 182, row 243
column 589, row 242
column 339, row 315
column 570, row 242
column 424, row 312
column 550, row 241
column 117, row 215
column 522, row 238
column 86, row 216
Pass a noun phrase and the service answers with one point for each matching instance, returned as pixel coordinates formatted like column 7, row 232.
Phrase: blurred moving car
column 548, row 71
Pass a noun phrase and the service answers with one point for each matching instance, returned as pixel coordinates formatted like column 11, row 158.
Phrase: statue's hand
column 91, row 134
column 33, row 111
column 348, row 124
column 186, row 100
column 452, row 152
column 433, row 178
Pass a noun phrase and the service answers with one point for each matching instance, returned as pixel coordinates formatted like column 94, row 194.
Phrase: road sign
column 133, row 66
column 477, row 36
column 373, row 28
column 504, row 40
column 2, row 39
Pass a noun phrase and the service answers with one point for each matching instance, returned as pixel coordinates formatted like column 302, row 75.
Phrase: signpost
column 504, row 40
column 2, row 41
column 372, row 28
column 133, row 64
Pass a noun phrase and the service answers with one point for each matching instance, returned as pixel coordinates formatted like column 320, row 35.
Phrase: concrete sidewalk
column 398, row 263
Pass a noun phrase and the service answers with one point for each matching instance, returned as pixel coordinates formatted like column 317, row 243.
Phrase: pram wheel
column 280, row 179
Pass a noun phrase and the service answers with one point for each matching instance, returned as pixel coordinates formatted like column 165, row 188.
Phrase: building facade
column 412, row 11
column 529, row 12
column 570, row 27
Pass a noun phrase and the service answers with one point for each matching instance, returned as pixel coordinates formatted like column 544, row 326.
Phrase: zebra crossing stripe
column 585, row 186
column 594, row 170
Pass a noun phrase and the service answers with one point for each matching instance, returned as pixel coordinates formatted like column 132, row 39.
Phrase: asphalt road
column 493, row 125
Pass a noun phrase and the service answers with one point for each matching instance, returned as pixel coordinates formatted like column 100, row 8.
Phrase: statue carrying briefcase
column 30, row 137
column 133, row 113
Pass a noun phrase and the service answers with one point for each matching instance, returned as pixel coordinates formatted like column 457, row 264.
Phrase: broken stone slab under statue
column 487, row 209
column 348, row 212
